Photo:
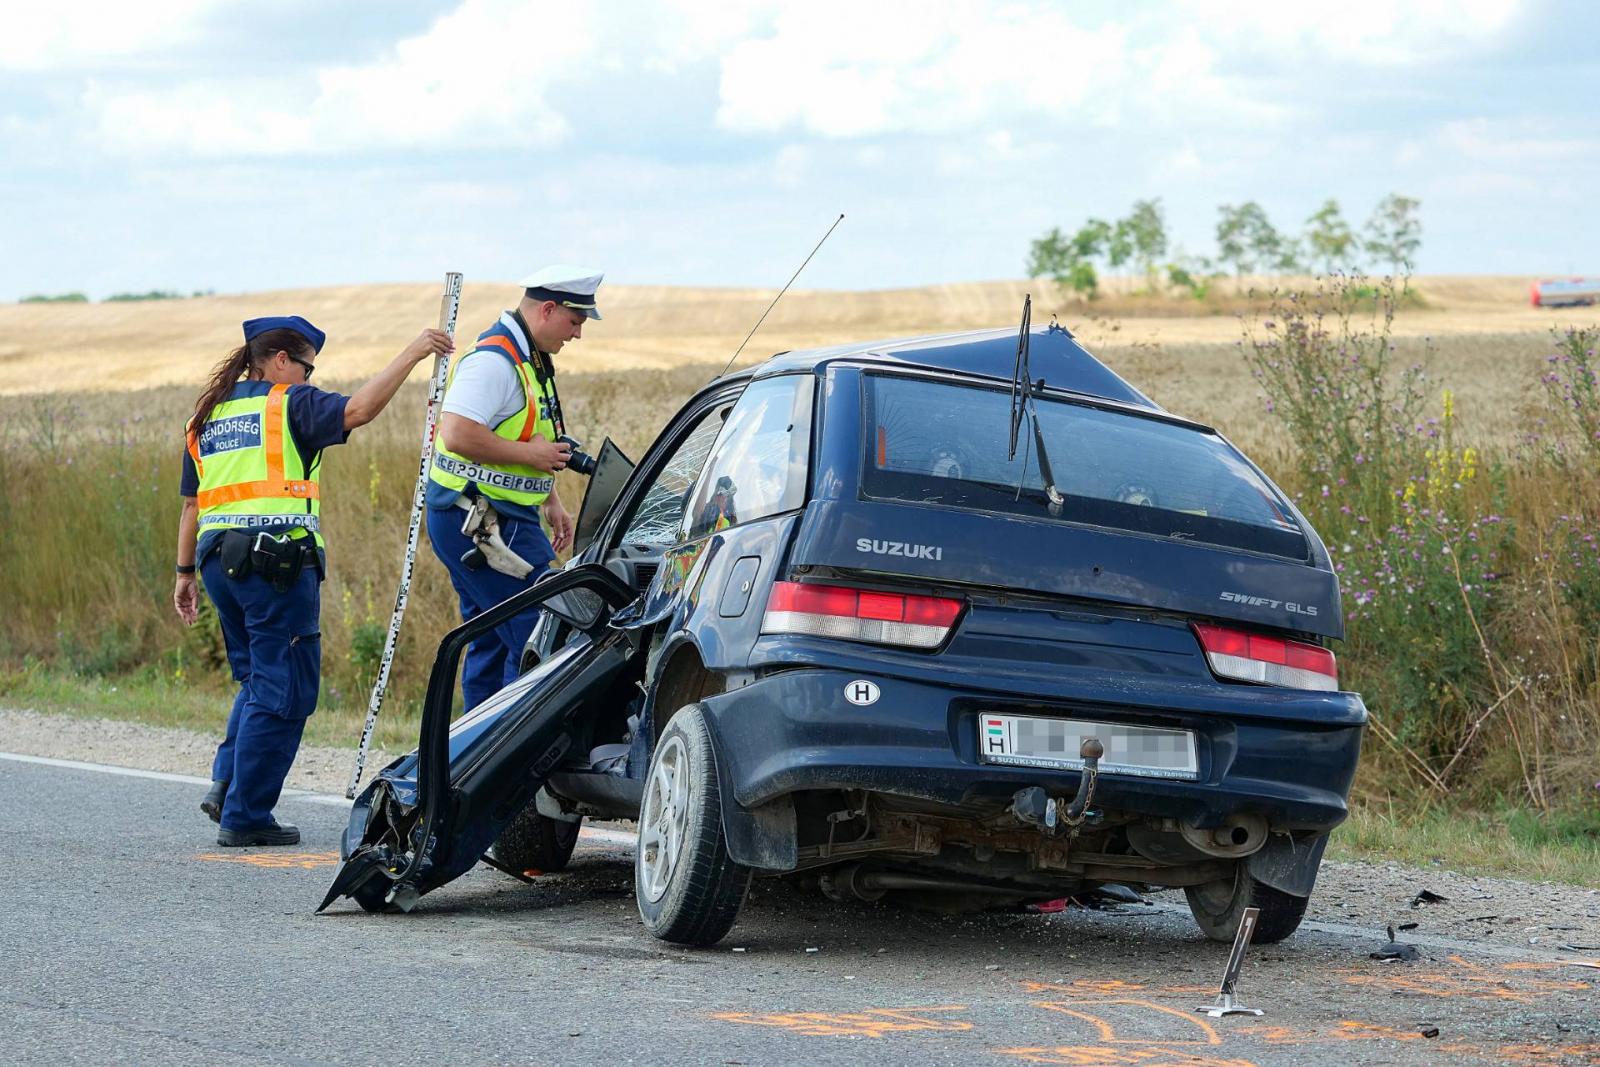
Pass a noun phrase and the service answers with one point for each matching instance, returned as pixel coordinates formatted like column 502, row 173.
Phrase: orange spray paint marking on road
column 274, row 860
column 874, row 1022
column 1111, row 987
column 1101, row 1056
column 1470, row 981
column 1195, row 1031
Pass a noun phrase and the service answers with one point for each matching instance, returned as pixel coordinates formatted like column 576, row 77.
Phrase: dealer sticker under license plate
column 1027, row 741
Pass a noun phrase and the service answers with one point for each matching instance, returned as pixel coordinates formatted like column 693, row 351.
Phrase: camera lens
column 579, row 460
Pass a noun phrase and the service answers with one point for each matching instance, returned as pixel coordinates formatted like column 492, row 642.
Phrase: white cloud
column 50, row 36
column 1365, row 32
column 1514, row 141
column 843, row 69
column 469, row 76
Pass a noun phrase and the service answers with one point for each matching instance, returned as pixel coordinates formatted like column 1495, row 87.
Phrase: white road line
column 608, row 837
column 163, row 776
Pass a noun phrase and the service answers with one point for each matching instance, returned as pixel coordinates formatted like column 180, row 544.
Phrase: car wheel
column 534, row 842
column 1219, row 906
column 689, row 889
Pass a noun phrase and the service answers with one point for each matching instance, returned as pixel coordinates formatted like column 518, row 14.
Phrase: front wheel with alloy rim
column 1218, row 908
column 689, row 889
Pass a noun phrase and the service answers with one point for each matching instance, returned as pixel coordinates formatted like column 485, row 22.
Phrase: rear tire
column 688, row 888
column 1218, row 908
column 534, row 842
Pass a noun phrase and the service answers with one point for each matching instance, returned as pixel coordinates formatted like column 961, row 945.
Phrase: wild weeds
column 1326, row 360
column 1572, row 390
column 1470, row 576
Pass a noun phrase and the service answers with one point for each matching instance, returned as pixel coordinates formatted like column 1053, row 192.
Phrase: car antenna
column 777, row 298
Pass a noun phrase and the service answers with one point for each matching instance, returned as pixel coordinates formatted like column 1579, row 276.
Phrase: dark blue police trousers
column 275, row 652
column 493, row 660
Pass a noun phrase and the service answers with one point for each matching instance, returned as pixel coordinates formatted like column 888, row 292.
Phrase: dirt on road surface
column 121, row 903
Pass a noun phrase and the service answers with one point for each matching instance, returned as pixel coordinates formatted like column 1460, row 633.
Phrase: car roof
column 1053, row 354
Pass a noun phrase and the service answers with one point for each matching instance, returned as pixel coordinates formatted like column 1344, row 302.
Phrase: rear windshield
column 945, row 444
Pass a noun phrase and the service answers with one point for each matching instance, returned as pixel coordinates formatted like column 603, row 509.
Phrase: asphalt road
column 127, row 936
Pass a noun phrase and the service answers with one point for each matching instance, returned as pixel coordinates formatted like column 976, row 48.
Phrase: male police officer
column 498, row 451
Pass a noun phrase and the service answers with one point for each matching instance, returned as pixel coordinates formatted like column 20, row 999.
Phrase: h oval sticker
column 861, row 692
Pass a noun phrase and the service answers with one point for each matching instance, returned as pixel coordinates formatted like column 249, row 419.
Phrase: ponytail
column 247, row 357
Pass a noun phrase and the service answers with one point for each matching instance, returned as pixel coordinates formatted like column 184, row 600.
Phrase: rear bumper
column 793, row 731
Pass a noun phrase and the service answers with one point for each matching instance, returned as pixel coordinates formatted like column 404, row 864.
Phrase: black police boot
column 274, row 833
column 211, row 803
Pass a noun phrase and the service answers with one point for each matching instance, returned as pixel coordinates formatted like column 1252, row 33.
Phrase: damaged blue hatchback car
column 963, row 617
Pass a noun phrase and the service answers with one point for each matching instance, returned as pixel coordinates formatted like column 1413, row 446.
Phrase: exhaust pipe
column 1240, row 835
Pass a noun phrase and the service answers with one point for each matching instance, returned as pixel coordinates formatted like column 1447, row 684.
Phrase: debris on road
column 1427, row 896
column 1395, row 952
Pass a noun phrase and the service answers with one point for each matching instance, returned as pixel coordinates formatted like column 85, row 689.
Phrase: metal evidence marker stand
column 1230, row 977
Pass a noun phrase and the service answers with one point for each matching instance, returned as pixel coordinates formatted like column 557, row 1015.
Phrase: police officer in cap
column 251, row 525
column 498, row 445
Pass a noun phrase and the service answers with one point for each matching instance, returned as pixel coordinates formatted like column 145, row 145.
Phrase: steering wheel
column 946, row 461
column 1134, row 493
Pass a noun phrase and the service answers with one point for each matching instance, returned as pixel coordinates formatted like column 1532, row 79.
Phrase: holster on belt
column 279, row 559
column 482, row 525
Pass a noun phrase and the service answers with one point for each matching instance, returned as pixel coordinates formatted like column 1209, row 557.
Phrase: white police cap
column 569, row 286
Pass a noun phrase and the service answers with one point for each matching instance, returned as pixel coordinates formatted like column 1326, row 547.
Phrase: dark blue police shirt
column 316, row 421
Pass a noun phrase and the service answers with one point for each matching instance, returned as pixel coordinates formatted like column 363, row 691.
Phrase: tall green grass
column 1464, row 535
column 89, row 528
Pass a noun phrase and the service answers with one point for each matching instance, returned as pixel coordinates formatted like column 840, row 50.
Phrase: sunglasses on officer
column 306, row 363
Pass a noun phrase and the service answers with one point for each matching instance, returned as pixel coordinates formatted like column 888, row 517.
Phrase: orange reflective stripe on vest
column 511, row 350
column 274, row 485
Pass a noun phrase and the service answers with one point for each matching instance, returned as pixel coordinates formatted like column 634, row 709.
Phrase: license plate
column 1145, row 751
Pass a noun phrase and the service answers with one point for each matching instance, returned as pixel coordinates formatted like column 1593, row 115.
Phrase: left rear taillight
column 1251, row 657
column 910, row 620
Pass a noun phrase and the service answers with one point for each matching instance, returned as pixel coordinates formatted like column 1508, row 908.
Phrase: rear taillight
column 1251, row 657
column 859, row 614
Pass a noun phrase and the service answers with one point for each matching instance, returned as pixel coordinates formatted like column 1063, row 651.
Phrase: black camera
column 580, row 460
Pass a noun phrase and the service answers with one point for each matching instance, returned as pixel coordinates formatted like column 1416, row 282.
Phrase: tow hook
column 1034, row 807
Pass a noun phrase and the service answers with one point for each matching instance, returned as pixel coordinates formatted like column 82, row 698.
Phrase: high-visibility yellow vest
column 251, row 473
column 514, row 482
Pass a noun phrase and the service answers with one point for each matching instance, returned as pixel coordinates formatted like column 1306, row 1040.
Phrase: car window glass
column 659, row 514
column 758, row 466
column 944, row 444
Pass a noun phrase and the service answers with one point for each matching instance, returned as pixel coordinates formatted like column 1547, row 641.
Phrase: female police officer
column 251, row 523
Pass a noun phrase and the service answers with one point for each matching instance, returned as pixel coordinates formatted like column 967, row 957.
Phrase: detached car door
column 430, row 816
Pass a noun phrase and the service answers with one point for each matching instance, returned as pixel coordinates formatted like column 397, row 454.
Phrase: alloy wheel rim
column 663, row 823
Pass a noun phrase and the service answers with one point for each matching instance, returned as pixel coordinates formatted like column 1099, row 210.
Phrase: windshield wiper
column 1023, row 390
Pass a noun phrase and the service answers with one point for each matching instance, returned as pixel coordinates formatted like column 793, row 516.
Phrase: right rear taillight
column 1251, row 657
column 911, row 620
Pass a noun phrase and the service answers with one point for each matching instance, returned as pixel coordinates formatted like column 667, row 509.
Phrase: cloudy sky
column 230, row 145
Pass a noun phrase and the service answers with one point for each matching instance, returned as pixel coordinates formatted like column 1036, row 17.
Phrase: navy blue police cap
column 253, row 328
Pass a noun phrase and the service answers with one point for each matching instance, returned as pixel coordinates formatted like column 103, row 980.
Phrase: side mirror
column 581, row 609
